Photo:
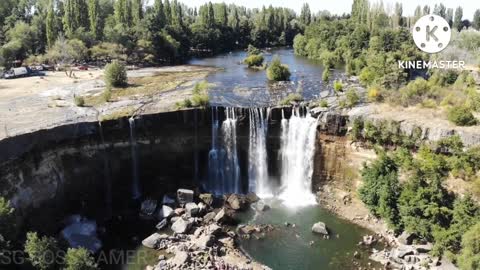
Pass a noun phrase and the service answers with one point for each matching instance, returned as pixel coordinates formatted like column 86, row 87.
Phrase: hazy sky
column 344, row 6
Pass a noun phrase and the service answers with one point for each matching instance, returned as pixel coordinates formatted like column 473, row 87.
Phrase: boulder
column 237, row 201
column 180, row 259
column 423, row 248
column 213, row 229
column 179, row 211
column 369, row 240
column 402, row 251
column 167, row 211
column 184, row 196
column 154, row 240
column 248, row 229
column 224, row 216
column 162, row 224
column 252, row 197
column 320, row 228
column 202, row 208
column 406, row 238
column 206, row 198
column 182, row 225
column 148, row 207
column 192, row 209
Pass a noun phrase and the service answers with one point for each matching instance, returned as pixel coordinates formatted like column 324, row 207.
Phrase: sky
column 344, row 6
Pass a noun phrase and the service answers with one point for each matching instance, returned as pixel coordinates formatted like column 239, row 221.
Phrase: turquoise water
column 290, row 247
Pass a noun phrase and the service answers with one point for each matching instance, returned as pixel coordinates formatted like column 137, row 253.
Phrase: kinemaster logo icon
column 432, row 33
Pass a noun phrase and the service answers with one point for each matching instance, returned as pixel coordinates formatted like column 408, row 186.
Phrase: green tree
column 79, row 259
column 457, row 21
column 51, row 27
column 42, row 252
column 476, row 19
column 75, row 15
column 469, row 258
column 305, row 14
column 137, row 12
column 93, row 17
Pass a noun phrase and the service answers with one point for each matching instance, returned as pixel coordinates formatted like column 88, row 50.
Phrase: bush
column 200, row 100
column 323, row 103
column 254, row 60
column 79, row 101
column 291, row 98
column 252, row 50
column 326, row 75
column 42, row 251
column 79, row 259
column 186, row 103
column 337, row 86
column 374, row 94
column 352, row 97
column 461, row 116
column 107, row 94
column 367, row 76
column 115, row 74
column 357, row 129
column 277, row 71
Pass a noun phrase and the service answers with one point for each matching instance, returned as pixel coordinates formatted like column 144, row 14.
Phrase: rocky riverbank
column 201, row 231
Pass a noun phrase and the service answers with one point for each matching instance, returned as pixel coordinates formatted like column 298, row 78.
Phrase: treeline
column 65, row 31
column 371, row 41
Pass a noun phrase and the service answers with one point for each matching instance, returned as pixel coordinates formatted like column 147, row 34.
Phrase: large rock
column 207, row 198
column 237, row 201
column 406, row 238
column 260, row 206
column 167, row 211
column 223, row 216
column 184, row 196
column 154, row 240
column 320, row 228
column 182, row 225
column 402, row 251
column 148, row 207
column 210, row 216
column 192, row 209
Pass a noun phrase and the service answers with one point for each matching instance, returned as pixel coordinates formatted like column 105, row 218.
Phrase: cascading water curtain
column 257, row 152
column 216, row 175
column 136, row 193
column 232, row 167
column 297, row 151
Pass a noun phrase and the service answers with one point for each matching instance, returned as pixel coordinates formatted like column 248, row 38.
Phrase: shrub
column 254, row 60
column 352, row 97
column 277, row 71
column 186, row 103
column 338, row 86
column 461, row 116
column 107, row 94
column 79, row 259
column 200, row 100
column 429, row 103
column 42, row 251
column 357, row 128
column 326, row 75
column 115, row 74
column 367, row 76
column 79, row 101
column 323, row 103
column 373, row 94
column 291, row 98
column 252, row 50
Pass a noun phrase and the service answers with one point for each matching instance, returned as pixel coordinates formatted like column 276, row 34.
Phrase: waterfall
column 107, row 173
column 223, row 165
column 257, row 152
column 133, row 146
column 297, row 152
column 232, row 168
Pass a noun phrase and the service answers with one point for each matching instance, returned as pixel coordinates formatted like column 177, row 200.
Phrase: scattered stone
column 320, row 228
column 356, row 254
column 161, row 257
column 192, row 209
column 223, row 216
column 204, row 241
column 162, row 224
column 148, row 207
column 206, row 198
column 182, row 225
column 154, row 240
column 179, row 211
column 184, row 196
column 180, row 259
column 210, row 216
column 369, row 240
column 248, row 229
